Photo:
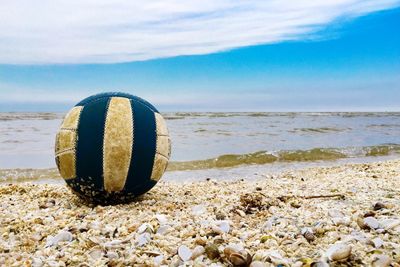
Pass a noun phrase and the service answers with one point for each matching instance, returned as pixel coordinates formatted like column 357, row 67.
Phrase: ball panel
column 159, row 166
column 65, row 140
column 118, row 139
column 161, row 125
column 144, row 146
column 89, row 154
column 66, row 164
column 72, row 118
column 163, row 145
column 57, row 146
column 66, row 144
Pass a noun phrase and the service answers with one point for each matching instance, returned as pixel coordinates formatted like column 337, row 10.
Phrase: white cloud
column 101, row 31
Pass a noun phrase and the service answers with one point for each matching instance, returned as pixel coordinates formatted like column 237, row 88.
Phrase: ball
column 112, row 147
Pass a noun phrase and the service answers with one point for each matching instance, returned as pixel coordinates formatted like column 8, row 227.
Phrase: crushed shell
column 47, row 225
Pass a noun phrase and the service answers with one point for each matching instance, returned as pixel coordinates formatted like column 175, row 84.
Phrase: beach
column 342, row 215
column 200, row 133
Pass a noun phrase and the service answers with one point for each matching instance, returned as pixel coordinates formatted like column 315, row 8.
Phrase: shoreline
column 292, row 217
column 244, row 171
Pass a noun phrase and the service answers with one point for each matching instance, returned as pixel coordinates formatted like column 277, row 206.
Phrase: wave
column 230, row 160
column 318, row 130
column 12, row 116
column 27, row 175
column 383, row 126
column 382, row 150
column 264, row 157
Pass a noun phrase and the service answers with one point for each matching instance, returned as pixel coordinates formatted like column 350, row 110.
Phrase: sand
column 344, row 215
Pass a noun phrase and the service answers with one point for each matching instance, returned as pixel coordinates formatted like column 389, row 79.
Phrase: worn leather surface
column 117, row 148
column 66, row 144
column 163, row 150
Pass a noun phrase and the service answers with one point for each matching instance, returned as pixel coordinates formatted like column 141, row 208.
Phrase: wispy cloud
column 101, row 31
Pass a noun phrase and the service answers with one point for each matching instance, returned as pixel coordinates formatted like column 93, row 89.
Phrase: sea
column 220, row 145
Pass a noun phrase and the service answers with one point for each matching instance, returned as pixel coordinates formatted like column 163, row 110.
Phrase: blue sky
column 340, row 61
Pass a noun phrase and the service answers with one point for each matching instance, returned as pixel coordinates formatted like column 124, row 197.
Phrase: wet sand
column 345, row 215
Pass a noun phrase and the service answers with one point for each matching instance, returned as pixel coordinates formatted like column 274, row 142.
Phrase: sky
column 320, row 55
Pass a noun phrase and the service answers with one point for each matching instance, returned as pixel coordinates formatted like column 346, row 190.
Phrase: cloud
column 105, row 31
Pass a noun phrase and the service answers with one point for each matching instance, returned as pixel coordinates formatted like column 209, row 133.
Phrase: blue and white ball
column 112, row 147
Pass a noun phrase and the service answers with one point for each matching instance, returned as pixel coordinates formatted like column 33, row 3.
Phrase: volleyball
column 112, row 147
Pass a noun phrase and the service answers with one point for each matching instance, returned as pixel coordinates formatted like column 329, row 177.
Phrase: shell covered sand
column 347, row 215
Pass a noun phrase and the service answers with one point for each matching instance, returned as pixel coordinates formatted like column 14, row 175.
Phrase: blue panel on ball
column 89, row 152
column 143, row 150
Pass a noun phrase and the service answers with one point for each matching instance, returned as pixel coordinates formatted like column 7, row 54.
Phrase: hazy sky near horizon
column 341, row 55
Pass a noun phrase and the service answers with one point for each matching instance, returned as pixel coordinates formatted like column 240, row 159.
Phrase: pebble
column 62, row 236
column 220, row 216
column 359, row 236
column 212, row 251
column 339, row 251
column 37, row 262
column 224, row 225
column 216, row 230
column 237, row 257
column 176, row 261
column 240, row 212
column 333, row 213
column 369, row 213
column 379, row 206
column 268, row 225
column 381, row 261
column 201, row 241
column 198, row 210
column 389, row 224
column 158, row 260
column 377, row 242
column 95, row 225
column 184, row 253
column 341, row 221
column 258, row 264
column 308, row 234
column 320, row 263
column 112, row 255
column 146, row 227
column 162, row 219
column 339, row 218
column 53, row 263
column 96, row 254
column 50, row 203
column 116, row 243
column 162, row 230
column 143, row 239
column 221, row 227
column 371, row 223
column 197, row 251
column 270, row 256
column 265, row 238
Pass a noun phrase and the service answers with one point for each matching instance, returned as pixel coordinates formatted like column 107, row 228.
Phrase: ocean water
column 209, row 141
